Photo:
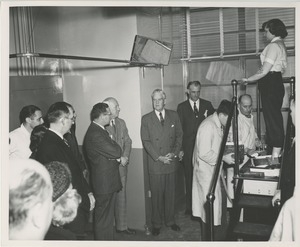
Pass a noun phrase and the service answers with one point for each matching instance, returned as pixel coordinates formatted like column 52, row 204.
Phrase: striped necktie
column 161, row 119
column 196, row 110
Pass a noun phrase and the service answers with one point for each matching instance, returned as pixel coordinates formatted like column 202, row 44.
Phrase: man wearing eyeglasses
column 54, row 147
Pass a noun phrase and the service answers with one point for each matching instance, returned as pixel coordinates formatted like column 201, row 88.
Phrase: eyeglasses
column 72, row 118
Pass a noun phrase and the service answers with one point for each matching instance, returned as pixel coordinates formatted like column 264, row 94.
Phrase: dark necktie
column 66, row 142
column 196, row 110
column 161, row 119
column 113, row 128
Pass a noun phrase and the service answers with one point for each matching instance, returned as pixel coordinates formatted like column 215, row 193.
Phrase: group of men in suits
column 107, row 147
column 167, row 136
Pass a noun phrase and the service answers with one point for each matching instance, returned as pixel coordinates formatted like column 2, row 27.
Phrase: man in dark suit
column 191, row 113
column 118, row 129
column 54, row 147
column 161, row 136
column 103, row 155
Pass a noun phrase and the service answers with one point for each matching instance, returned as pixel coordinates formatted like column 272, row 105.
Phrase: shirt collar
column 163, row 112
column 24, row 129
column 59, row 134
column 99, row 125
column 275, row 39
column 193, row 102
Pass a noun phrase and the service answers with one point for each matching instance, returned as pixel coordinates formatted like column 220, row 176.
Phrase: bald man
column 247, row 136
column 119, row 132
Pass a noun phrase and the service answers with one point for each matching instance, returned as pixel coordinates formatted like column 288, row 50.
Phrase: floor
column 190, row 231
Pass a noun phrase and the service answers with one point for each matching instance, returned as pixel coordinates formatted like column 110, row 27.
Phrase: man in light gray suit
column 119, row 132
column 161, row 136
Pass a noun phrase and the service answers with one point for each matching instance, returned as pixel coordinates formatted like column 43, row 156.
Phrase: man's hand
column 86, row 174
column 165, row 159
column 124, row 161
column 92, row 201
column 258, row 143
column 180, row 155
column 228, row 159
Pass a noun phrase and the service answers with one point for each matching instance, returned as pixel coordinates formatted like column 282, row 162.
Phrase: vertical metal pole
column 162, row 77
column 188, row 33
column 258, row 112
column 210, row 214
column 221, row 26
column 235, row 128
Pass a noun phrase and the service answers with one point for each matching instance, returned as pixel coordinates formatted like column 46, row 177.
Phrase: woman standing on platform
column 269, row 77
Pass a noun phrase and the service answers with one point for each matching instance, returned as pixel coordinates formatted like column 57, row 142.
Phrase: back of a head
column 30, row 210
column 66, row 200
column 61, row 177
column 57, row 110
column 97, row 110
column 27, row 111
column 224, row 107
column 36, row 137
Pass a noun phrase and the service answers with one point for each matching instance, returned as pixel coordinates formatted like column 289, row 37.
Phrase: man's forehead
column 37, row 113
column 194, row 88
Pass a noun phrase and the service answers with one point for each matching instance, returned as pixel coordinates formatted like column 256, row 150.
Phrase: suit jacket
column 122, row 138
column 102, row 153
column 53, row 148
column 160, row 140
column 190, row 123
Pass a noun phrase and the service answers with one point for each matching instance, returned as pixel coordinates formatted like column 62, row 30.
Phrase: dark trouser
column 188, row 175
column 272, row 93
column 163, row 199
column 104, row 216
column 78, row 225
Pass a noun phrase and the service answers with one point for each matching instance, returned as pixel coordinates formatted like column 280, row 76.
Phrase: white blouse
column 275, row 54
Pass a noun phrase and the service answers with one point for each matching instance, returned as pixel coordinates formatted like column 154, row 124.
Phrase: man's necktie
column 66, row 142
column 196, row 110
column 161, row 119
column 112, row 124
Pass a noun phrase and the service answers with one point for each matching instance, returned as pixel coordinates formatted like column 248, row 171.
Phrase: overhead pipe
column 45, row 55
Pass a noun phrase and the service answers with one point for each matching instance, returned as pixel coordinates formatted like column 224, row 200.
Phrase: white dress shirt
column 19, row 143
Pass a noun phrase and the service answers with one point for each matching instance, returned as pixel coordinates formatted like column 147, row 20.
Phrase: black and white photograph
column 148, row 123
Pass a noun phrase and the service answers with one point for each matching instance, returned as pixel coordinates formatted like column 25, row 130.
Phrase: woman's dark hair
column 36, row 138
column 276, row 27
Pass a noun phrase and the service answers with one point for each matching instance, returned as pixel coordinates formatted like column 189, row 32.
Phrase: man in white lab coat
column 206, row 151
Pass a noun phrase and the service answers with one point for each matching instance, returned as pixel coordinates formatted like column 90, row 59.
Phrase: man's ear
column 38, row 215
column 28, row 120
column 35, row 214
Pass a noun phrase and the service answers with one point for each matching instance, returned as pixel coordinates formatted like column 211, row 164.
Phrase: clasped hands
column 123, row 161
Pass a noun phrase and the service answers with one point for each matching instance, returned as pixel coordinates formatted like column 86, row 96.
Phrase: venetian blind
column 213, row 32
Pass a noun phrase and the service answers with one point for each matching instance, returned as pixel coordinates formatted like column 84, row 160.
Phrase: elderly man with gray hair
column 118, row 130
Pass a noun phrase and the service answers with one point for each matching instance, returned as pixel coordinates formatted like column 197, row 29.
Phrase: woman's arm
column 262, row 72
